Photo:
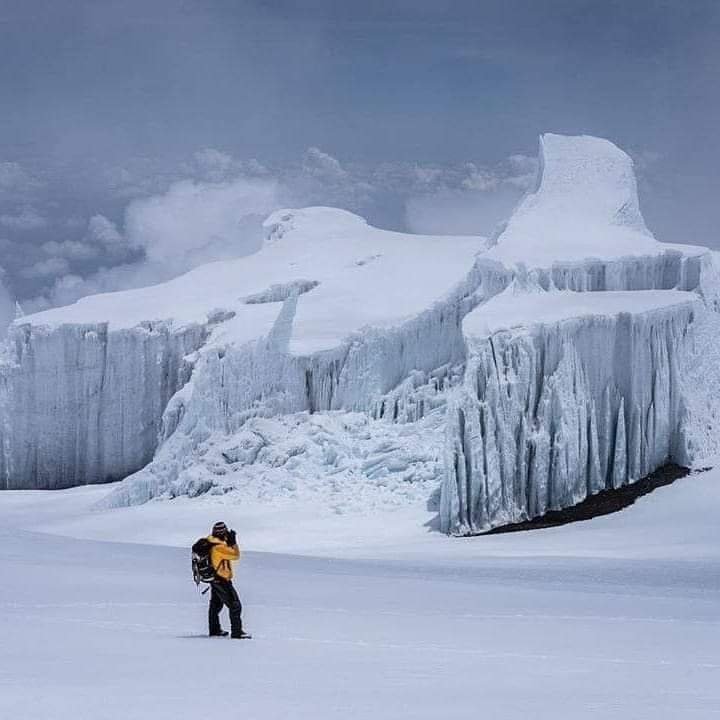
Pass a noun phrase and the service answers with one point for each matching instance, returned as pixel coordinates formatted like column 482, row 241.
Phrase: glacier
column 582, row 399
column 493, row 379
column 94, row 387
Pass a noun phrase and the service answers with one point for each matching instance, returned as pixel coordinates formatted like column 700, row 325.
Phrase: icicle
column 635, row 447
column 595, row 481
column 619, row 474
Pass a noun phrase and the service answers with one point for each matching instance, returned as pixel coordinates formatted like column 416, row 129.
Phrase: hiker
column 223, row 552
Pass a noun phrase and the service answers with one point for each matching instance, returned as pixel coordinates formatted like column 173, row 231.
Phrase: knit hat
column 219, row 529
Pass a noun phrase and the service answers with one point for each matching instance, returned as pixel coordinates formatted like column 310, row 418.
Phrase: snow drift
column 333, row 316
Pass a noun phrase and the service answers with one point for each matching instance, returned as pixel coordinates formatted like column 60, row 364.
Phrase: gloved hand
column 231, row 538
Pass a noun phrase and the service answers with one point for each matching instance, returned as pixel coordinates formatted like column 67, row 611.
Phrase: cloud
column 195, row 222
column 15, row 178
column 103, row 233
column 52, row 267
column 471, row 199
column 7, row 305
column 460, row 212
column 70, row 287
column 210, row 206
column 27, row 219
column 479, row 179
column 70, row 249
column 163, row 235
column 523, row 170
column 102, row 240
column 213, row 165
column 319, row 164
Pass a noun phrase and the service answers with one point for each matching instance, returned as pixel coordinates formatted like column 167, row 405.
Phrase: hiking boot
column 242, row 635
column 219, row 633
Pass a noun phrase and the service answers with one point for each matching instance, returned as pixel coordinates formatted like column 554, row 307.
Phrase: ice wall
column 563, row 407
column 331, row 314
column 566, row 394
column 322, row 317
column 701, row 391
column 81, row 404
column 232, row 383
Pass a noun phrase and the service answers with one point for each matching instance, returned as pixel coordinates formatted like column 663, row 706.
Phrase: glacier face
column 233, row 383
column 557, row 410
column 82, row 405
column 306, row 323
column 552, row 357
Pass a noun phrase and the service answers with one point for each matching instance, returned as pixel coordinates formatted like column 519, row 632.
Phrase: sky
column 140, row 138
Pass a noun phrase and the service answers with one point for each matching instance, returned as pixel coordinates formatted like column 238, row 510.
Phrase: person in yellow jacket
column 223, row 553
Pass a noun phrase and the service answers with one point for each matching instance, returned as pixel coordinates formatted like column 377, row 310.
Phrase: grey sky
column 105, row 101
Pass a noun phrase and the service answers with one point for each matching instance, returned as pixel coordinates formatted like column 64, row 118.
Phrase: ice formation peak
column 584, row 205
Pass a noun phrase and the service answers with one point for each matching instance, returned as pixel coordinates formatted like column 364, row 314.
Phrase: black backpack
column 202, row 567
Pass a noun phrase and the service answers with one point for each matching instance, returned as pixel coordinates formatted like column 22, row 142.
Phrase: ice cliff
column 81, row 403
column 582, row 395
column 330, row 313
column 535, row 369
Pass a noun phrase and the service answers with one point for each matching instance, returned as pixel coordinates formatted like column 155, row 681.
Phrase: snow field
column 617, row 617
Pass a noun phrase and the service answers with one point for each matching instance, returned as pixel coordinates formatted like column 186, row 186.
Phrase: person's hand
column 231, row 538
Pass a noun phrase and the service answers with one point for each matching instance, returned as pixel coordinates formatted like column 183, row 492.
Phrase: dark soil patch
column 604, row 503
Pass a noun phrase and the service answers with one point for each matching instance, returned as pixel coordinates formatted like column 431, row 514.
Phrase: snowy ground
column 615, row 618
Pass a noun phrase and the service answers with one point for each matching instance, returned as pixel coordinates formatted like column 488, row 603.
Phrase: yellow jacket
column 222, row 555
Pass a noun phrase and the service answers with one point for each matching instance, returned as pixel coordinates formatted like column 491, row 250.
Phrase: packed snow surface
column 375, row 618
column 349, row 274
column 520, row 308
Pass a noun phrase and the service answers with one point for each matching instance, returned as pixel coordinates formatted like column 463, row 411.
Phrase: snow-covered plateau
column 369, row 617
column 360, row 369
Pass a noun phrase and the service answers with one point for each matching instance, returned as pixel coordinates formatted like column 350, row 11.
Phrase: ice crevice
column 282, row 291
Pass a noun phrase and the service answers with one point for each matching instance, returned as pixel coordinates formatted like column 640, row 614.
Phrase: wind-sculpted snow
column 584, row 206
column 581, row 397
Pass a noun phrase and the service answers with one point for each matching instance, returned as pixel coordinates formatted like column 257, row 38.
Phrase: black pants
column 222, row 593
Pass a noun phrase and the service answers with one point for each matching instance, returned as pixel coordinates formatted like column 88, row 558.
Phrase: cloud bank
column 152, row 222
